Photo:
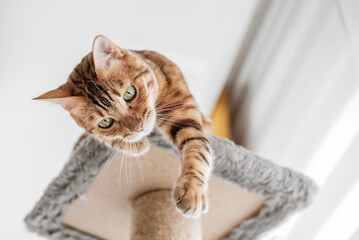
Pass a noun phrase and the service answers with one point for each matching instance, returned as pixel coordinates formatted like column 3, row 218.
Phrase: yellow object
column 221, row 117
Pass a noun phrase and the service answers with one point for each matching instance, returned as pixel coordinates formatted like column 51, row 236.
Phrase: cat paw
column 190, row 197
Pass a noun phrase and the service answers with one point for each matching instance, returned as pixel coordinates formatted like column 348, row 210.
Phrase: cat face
column 111, row 94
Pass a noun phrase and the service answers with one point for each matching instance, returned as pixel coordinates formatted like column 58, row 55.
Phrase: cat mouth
column 137, row 136
column 146, row 130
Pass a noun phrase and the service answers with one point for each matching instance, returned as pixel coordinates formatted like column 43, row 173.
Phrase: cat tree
column 248, row 196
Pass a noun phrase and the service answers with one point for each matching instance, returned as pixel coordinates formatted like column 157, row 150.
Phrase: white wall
column 40, row 43
column 296, row 102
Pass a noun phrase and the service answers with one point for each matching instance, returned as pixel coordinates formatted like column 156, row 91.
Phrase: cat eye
column 106, row 122
column 130, row 94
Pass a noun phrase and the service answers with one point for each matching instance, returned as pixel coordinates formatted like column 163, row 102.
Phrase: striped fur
column 162, row 99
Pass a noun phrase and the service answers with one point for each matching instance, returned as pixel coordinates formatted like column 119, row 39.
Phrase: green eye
column 106, row 122
column 130, row 93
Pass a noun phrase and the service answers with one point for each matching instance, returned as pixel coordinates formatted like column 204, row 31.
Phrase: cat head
column 110, row 94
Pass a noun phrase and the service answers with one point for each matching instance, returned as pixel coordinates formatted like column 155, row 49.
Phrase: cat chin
column 136, row 138
column 131, row 154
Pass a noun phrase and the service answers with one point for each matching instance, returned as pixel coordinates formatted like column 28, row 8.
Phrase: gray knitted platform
column 285, row 191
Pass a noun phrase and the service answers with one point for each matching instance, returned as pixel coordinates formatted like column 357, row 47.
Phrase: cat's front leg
column 190, row 192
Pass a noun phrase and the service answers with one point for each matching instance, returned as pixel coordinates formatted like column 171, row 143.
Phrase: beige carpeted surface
column 105, row 210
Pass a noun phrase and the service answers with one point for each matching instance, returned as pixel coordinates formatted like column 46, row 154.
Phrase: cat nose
column 139, row 127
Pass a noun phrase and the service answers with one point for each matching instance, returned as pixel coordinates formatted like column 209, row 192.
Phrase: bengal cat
column 120, row 95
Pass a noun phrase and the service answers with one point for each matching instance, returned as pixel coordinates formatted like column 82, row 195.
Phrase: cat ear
column 62, row 96
column 105, row 54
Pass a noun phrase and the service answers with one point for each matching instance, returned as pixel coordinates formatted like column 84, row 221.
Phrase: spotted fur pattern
column 95, row 89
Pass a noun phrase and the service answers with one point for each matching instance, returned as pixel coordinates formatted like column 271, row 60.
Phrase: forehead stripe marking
column 94, row 91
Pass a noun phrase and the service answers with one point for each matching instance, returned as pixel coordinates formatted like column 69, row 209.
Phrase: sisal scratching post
column 154, row 217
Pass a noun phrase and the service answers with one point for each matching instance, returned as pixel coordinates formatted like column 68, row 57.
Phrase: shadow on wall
column 238, row 91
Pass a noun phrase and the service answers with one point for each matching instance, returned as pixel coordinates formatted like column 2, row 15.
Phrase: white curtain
column 294, row 92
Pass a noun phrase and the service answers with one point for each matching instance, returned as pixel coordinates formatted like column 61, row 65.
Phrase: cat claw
column 191, row 199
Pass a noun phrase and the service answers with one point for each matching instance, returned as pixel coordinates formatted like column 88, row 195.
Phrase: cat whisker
column 91, row 115
column 161, row 122
column 108, row 83
column 176, row 122
column 174, row 104
column 159, row 92
column 120, row 177
column 175, row 100
column 167, row 110
column 105, row 75
column 144, row 84
column 86, row 144
column 167, row 114
column 143, row 178
column 166, row 97
column 170, row 115
column 173, row 107
column 162, row 91
column 126, row 158
column 131, row 158
column 139, row 166
column 144, row 168
column 159, row 67
column 171, row 123
column 170, row 94
column 169, row 106
column 107, row 165
column 90, row 107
